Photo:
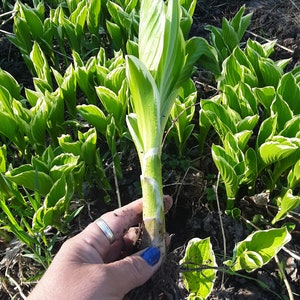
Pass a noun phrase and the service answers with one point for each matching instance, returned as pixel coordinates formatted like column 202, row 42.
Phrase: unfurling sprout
column 165, row 62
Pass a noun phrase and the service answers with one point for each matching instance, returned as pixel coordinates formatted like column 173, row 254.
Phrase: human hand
column 87, row 265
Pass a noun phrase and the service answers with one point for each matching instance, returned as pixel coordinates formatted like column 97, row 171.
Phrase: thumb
column 134, row 270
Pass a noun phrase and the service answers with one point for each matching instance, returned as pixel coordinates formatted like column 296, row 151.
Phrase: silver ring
column 106, row 230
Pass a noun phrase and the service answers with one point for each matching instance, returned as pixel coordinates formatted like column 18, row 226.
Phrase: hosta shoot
column 165, row 62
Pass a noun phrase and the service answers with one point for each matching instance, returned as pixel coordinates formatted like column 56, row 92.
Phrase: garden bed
column 191, row 180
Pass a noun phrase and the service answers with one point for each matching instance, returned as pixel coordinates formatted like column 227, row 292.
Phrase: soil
column 193, row 214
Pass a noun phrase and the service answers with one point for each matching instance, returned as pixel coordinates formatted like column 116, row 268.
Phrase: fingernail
column 151, row 256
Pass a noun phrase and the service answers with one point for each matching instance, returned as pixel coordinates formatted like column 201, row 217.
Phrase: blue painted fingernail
column 151, row 256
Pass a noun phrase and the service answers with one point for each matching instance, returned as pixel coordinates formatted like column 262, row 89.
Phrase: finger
column 119, row 221
column 133, row 271
column 131, row 241
column 168, row 202
column 96, row 242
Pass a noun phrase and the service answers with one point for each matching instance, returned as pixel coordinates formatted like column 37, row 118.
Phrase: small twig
column 295, row 5
column 175, row 120
column 181, row 184
column 205, row 85
column 297, row 257
column 267, row 40
column 12, row 15
column 215, row 187
column 285, row 280
column 13, row 281
column 63, row 55
column 249, row 222
column 117, row 186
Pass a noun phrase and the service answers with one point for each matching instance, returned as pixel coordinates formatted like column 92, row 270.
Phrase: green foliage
column 226, row 39
column 258, row 249
column 182, row 114
column 250, row 80
column 96, row 63
column 200, row 268
column 154, row 80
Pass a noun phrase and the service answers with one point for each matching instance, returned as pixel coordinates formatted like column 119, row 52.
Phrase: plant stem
column 285, row 280
column 215, row 187
column 153, row 209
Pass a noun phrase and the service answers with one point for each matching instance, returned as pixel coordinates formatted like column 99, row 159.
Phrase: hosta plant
column 165, row 62
column 254, row 88
column 199, row 268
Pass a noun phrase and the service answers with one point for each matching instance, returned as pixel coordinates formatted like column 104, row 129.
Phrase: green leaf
column 198, row 49
column 230, row 36
column 218, row 42
column 110, row 101
column 78, row 16
column 8, row 126
column 289, row 90
column 168, row 72
column 283, row 111
column 291, row 128
column 200, row 266
column 294, row 175
column 267, row 130
column 231, row 72
column 84, row 77
column 31, row 179
column 6, row 101
column 14, row 225
column 68, row 86
column 222, row 118
column 248, row 101
column 62, row 190
column 269, row 71
column 3, row 158
column 111, row 140
column 88, row 146
column 9, row 82
column 186, row 22
column 38, row 124
column 72, row 34
column 264, row 50
column 251, row 167
column 151, row 33
column 225, row 165
column 247, row 123
column 288, row 202
column 68, row 145
column 115, row 33
column 32, row 96
column 132, row 124
column 284, row 164
column 276, row 149
column 56, row 204
column 232, row 148
column 258, row 249
column 63, row 164
column 146, row 102
column 240, row 23
column 243, row 138
column 39, row 165
column 33, row 20
column 94, row 115
column 265, row 96
column 40, row 64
